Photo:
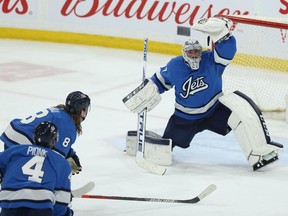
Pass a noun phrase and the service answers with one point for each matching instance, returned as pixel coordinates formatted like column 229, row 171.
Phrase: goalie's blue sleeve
column 20, row 131
column 35, row 177
column 197, row 91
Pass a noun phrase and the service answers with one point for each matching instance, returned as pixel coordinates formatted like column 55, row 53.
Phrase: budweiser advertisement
column 160, row 20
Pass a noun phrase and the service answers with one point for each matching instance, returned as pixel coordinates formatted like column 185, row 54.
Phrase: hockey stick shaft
column 196, row 199
column 141, row 128
column 145, row 52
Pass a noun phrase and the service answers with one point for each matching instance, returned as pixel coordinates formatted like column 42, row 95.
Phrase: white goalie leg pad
column 157, row 150
column 145, row 95
column 131, row 141
column 250, row 132
column 216, row 27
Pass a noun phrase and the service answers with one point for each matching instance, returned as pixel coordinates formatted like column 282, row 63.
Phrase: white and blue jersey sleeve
column 20, row 131
column 197, row 91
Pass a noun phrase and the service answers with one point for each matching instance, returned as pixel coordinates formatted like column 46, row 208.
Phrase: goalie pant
column 250, row 130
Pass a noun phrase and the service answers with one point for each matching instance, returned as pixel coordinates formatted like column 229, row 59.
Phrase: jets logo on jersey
column 191, row 87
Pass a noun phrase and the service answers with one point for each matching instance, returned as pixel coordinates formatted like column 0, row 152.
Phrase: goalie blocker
column 157, row 150
column 144, row 96
column 250, row 130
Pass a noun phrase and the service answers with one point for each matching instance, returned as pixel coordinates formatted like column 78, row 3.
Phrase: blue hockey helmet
column 46, row 134
column 76, row 102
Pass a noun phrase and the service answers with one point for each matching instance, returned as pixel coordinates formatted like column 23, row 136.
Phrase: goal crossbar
column 280, row 23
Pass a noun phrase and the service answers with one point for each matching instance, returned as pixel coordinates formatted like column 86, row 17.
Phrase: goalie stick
column 141, row 130
column 196, row 199
column 79, row 192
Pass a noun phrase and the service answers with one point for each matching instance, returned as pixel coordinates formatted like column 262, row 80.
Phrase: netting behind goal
column 260, row 67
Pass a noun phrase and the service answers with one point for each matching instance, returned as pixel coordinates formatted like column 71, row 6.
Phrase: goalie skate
column 267, row 159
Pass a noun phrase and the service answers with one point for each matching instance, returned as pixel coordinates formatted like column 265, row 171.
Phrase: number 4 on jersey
column 33, row 168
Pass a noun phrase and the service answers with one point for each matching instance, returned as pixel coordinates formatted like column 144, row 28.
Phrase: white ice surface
column 107, row 75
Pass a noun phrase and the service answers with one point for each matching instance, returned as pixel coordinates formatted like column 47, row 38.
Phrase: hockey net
column 260, row 67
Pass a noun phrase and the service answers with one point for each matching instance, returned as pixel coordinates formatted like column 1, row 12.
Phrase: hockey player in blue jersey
column 200, row 105
column 67, row 118
column 37, row 179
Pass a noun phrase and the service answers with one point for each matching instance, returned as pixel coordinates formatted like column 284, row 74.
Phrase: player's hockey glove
column 74, row 162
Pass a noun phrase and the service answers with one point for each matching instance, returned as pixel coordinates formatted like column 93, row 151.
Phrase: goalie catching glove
column 218, row 28
column 74, row 162
column 144, row 96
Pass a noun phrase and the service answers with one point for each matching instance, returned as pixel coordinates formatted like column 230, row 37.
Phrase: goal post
column 260, row 66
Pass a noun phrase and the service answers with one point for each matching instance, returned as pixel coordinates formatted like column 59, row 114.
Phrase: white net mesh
column 260, row 67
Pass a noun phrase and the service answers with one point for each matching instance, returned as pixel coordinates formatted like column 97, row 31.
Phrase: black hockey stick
column 196, row 199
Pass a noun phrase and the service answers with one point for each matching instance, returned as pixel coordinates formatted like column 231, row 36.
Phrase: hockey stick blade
column 150, row 167
column 210, row 189
column 196, row 199
column 79, row 192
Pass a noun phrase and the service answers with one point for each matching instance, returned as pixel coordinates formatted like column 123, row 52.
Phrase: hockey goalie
column 196, row 78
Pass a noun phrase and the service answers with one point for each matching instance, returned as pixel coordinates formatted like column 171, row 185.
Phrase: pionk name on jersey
column 36, row 151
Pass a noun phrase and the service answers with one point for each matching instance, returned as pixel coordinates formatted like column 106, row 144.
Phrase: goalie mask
column 192, row 51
